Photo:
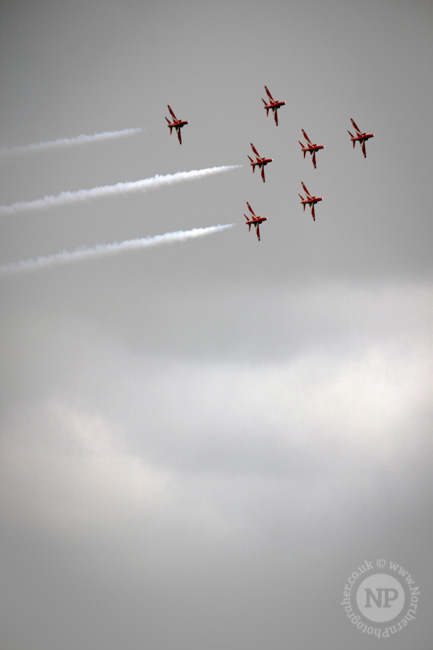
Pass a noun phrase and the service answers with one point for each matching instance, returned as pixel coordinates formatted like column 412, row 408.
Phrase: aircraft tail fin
column 252, row 162
column 352, row 137
column 303, row 150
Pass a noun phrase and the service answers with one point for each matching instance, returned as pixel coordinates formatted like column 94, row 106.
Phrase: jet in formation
column 176, row 124
column 259, row 162
column 254, row 220
column 309, row 147
column 360, row 137
column 272, row 105
column 309, row 200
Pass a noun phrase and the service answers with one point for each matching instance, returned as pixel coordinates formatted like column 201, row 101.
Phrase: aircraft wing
column 355, row 126
column 306, row 137
column 250, row 209
column 269, row 94
column 171, row 112
column 258, row 231
column 313, row 214
column 314, row 159
column 255, row 150
column 307, row 192
column 275, row 111
column 263, row 173
column 363, row 148
column 179, row 136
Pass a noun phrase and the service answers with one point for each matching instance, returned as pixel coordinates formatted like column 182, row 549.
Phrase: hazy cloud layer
column 181, row 479
column 200, row 443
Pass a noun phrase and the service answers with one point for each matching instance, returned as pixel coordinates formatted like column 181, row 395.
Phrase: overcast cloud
column 201, row 442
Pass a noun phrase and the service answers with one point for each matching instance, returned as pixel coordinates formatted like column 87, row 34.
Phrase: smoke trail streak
column 108, row 249
column 110, row 190
column 63, row 142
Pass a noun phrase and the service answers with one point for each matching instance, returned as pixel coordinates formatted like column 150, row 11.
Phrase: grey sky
column 200, row 442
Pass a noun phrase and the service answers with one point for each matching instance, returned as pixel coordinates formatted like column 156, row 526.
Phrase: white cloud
column 194, row 441
column 78, row 475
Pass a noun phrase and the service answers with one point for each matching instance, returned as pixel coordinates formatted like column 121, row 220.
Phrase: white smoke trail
column 110, row 190
column 108, row 249
column 63, row 142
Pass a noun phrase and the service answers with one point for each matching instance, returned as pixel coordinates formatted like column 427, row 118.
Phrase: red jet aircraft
column 254, row 220
column 260, row 162
column 272, row 105
column 176, row 124
column 310, row 147
column 310, row 200
column 360, row 137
